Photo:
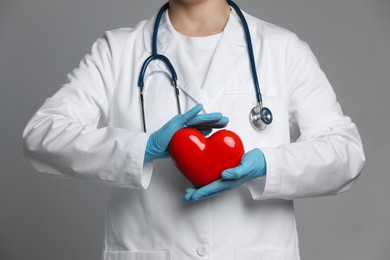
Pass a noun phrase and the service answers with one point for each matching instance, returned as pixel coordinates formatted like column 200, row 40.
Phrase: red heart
column 202, row 160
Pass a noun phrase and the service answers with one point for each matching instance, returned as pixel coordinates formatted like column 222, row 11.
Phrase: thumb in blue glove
column 253, row 165
column 158, row 142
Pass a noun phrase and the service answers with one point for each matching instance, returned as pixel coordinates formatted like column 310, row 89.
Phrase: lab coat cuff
column 139, row 174
column 267, row 187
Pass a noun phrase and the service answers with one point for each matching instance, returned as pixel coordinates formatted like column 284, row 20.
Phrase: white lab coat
column 92, row 129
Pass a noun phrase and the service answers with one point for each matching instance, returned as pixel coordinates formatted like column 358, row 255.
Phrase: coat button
column 201, row 251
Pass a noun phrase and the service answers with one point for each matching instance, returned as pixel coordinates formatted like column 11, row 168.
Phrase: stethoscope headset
column 259, row 116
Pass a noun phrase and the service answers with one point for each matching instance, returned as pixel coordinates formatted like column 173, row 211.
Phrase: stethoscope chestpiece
column 260, row 117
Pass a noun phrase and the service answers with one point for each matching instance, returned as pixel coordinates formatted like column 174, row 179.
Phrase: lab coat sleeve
column 69, row 137
column 328, row 156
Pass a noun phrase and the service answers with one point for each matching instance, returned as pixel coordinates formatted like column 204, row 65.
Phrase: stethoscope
column 259, row 116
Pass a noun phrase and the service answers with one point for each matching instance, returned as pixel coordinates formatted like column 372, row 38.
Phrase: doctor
column 92, row 128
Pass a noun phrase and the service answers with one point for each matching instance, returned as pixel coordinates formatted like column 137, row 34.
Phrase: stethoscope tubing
column 256, row 119
column 251, row 55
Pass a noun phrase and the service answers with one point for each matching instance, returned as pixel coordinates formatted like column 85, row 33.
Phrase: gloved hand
column 252, row 165
column 158, row 142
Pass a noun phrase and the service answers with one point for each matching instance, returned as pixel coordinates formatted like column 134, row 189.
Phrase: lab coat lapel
column 231, row 51
column 168, row 45
column 186, row 78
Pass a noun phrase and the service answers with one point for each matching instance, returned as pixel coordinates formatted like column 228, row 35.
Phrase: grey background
column 47, row 218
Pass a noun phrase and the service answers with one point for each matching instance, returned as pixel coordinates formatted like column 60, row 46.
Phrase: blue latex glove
column 252, row 165
column 158, row 142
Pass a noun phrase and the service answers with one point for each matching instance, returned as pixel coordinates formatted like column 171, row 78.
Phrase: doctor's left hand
column 252, row 165
column 158, row 143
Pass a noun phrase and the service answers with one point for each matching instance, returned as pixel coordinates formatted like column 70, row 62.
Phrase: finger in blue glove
column 253, row 165
column 212, row 120
column 158, row 142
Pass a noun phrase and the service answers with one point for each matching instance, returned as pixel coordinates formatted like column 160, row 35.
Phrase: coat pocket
column 267, row 254
column 139, row 255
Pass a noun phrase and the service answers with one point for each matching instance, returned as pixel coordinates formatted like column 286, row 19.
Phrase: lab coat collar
column 231, row 51
column 168, row 45
column 229, row 54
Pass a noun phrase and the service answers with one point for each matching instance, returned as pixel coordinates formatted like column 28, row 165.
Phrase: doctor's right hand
column 157, row 146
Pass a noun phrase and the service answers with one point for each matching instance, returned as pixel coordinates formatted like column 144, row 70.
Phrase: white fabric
column 200, row 51
column 92, row 129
